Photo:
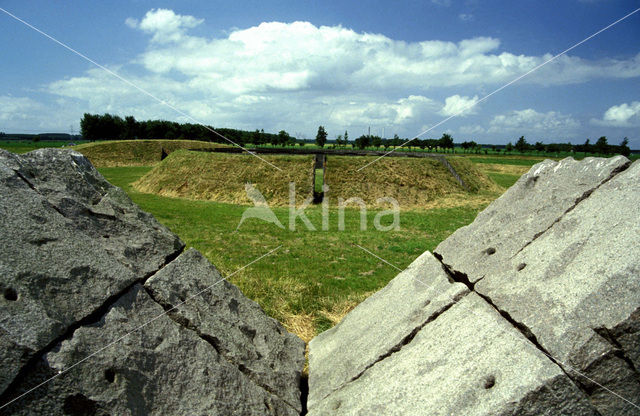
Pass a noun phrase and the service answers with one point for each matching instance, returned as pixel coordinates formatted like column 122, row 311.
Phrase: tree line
column 114, row 127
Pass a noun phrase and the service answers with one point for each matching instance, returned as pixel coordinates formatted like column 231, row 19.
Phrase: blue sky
column 398, row 67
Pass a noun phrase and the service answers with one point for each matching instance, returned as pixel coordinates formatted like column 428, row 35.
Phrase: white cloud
column 471, row 130
column 17, row 108
column 623, row 115
column 165, row 25
column 382, row 113
column 131, row 22
column 465, row 17
column 459, row 105
column 298, row 75
column 530, row 120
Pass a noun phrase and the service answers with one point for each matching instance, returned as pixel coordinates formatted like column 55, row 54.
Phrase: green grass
column 316, row 276
column 24, row 146
column 415, row 183
column 505, row 160
column 222, row 177
column 318, row 180
column 113, row 153
column 503, row 179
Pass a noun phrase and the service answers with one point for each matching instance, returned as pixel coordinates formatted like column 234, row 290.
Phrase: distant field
column 222, row 177
column 506, row 160
column 317, row 276
column 503, row 174
column 136, row 152
column 24, row 146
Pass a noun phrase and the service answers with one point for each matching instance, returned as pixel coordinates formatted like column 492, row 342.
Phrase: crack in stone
column 405, row 341
column 528, row 333
column 618, row 351
column 581, row 198
column 456, row 276
column 173, row 313
column 93, row 317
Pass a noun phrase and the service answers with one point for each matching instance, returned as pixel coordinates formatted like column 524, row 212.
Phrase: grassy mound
column 222, row 177
column 136, row 152
column 414, row 183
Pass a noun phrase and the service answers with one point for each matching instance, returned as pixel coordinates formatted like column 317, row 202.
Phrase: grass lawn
column 316, row 277
column 24, row 146
column 318, row 180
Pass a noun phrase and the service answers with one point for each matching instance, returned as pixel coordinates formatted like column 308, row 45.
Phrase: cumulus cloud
column 410, row 108
column 459, row 105
column 531, row 120
column 465, row 17
column 165, row 25
column 279, row 75
column 623, row 115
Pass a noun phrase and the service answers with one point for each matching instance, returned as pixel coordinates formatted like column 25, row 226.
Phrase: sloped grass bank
column 415, row 183
column 223, row 177
column 136, row 152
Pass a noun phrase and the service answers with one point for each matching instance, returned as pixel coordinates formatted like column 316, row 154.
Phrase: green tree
column 624, row 147
column 363, row 141
column 446, row 141
column 131, row 127
column 522, row 145
column 602, row 146
column 283, row 138
column 346, row 138
column 321, row 137
column 509, row 147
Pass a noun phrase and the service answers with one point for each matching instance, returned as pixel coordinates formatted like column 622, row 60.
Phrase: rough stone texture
column 577, row 289
column 76, row 254
column 530, row 207
column 239, row 330
column 468, row 361
column 70, row 241
column 161, row 369
column 552, row 323
column 381, row 324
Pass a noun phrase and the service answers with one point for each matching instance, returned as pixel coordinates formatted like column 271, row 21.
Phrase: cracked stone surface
column 577, row 289
column 528, row 208
column 236, row 326
column 70, row 241
column 468, row 361
column 379, row 325
column 554, row 276
column 162, row 369
column 75, row 256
